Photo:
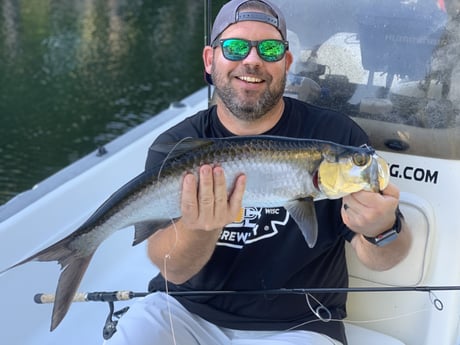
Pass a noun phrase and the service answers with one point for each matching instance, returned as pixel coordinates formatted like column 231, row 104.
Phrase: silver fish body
column 279, row 172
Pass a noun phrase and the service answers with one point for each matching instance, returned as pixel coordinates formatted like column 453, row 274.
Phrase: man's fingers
column 220, row 193
column 189, row 204
column 206, row 192
column 236, row 198
column 392, row 191
column 206, row 204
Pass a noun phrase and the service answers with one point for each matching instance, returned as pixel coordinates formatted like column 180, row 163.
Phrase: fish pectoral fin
column 144, row 230
column 304, row 214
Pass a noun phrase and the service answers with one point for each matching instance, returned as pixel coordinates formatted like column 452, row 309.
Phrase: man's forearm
column 180, row 253
column 383, row 258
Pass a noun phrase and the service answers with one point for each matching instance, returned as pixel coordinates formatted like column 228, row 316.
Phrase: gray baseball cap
column 229, row 15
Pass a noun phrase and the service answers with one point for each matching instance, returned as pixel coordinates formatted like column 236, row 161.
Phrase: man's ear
column 289, row 59
column 208, row 54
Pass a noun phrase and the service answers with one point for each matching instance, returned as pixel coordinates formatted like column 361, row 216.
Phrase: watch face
column 386, row 237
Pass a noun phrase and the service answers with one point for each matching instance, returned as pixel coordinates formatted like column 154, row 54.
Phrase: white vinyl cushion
column 410, row 271
column 362, row 336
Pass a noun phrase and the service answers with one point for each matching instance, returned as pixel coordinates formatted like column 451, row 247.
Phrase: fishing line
column 168, row 304
column 383, row 319
column 173, row 224
column 434, row 300
column 167, row 256
column 357, row 322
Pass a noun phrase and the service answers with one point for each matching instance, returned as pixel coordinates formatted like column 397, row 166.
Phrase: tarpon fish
column 279, row 172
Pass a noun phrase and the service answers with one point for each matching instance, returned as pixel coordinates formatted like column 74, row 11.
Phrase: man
column 247, row 62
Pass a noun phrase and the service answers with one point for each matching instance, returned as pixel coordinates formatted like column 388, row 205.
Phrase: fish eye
column 360, row 159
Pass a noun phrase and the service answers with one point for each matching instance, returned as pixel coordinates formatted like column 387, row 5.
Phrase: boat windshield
column 392, row 65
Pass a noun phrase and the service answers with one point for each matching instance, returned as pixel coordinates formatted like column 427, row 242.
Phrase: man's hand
column 371, row 213
column 205, row 204
column 206, row 208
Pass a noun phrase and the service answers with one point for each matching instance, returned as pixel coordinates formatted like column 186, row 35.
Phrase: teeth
column 250, row 79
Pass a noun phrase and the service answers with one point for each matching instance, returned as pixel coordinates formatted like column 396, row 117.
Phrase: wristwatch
column 389, row 235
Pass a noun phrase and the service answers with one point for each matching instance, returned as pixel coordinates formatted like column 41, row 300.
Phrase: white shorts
column 158, row 319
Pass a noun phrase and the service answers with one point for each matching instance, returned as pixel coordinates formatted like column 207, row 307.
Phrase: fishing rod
column 124, row 295
column 110, row 325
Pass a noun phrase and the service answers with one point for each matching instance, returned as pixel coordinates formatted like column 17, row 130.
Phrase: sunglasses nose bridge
column 253, row 52
column 253, row 55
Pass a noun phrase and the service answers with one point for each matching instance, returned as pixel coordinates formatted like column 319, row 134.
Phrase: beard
column 248, row 107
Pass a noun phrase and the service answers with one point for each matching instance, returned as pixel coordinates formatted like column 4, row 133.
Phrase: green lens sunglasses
column 237, row 49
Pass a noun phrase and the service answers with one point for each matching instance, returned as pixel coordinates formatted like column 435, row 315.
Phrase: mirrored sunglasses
column 237, row 49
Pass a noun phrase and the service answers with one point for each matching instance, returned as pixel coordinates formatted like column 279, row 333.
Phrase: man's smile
column 248, row 79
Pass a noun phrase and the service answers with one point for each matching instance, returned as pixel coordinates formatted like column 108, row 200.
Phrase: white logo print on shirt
column 253, row 226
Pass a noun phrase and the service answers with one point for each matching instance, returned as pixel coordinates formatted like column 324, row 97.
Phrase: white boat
column 380, row 62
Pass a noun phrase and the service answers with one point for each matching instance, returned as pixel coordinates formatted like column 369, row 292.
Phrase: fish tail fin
column 68, row 283
column 73, row 266
column 59, row 252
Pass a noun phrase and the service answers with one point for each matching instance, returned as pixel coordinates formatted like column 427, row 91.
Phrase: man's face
column 252, row 86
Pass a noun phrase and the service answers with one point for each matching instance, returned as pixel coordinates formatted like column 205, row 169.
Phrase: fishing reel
column 110, row 326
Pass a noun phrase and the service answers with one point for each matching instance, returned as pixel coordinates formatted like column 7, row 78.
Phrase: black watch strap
column 389, row 235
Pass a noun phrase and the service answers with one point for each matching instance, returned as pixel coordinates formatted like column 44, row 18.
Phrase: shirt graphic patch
column 255, row 224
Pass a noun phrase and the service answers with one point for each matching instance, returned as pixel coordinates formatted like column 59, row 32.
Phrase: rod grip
column 44, row 298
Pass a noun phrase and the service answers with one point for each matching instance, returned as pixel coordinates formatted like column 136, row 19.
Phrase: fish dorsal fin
column 304, row 214
column 185, row 145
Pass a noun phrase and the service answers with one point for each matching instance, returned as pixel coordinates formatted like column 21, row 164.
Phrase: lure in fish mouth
column 279, row 172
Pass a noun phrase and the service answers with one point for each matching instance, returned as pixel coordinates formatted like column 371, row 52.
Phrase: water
column 75, row 74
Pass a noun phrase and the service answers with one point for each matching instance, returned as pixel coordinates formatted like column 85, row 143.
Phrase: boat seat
column 357, row 335
column 383, row 311
column 411, row 270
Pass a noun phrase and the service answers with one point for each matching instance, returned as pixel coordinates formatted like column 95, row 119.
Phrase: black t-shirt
column 265, row 249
